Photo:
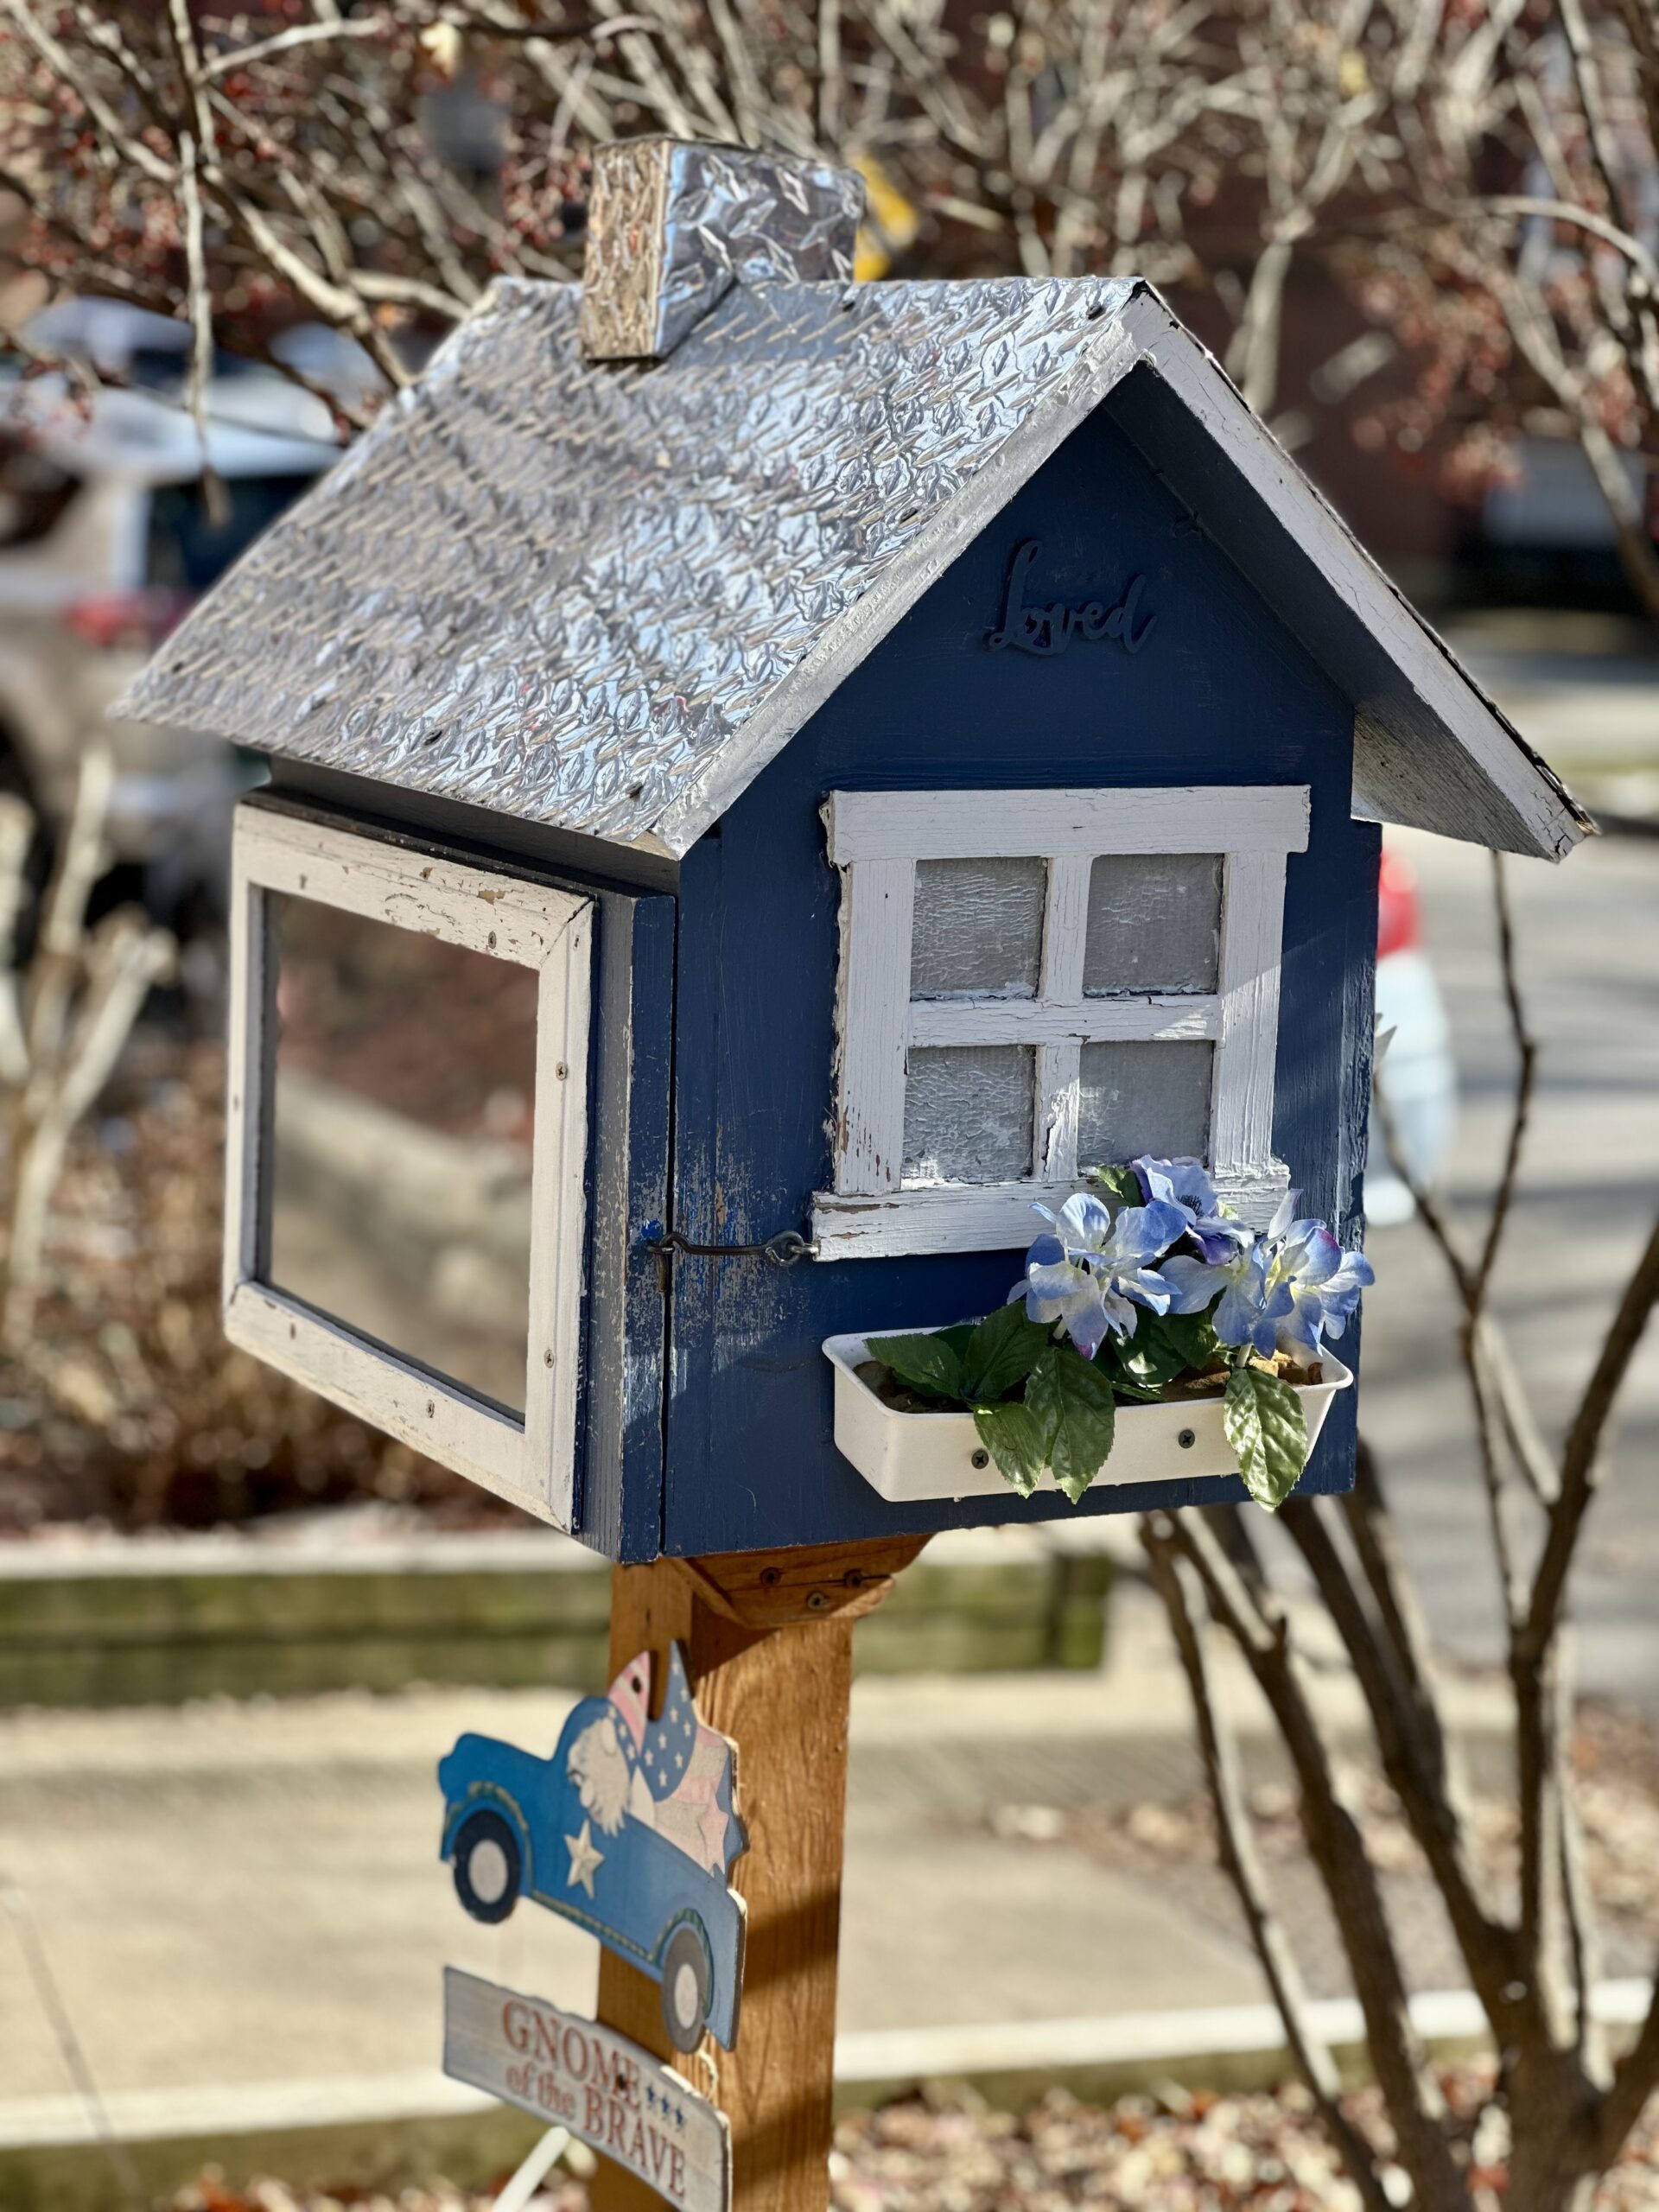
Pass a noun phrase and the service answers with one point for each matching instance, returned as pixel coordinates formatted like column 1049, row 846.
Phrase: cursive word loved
column 1034, row 629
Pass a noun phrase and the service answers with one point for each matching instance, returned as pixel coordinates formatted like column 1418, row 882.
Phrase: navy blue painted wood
column 1356, row 900
column 1220, row 692
column 619, row 1510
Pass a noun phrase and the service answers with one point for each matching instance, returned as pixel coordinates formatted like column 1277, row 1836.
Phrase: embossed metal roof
column 601, row 596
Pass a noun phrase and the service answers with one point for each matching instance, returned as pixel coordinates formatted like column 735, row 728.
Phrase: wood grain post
column 768, row 1639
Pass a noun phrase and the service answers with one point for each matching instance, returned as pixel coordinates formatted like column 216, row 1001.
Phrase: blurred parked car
column 128, row 345
column 1543, row 535
column 1416, row 1073
column 106, row 536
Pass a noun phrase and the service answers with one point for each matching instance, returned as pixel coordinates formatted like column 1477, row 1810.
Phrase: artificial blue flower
column 1057, row 1290
column 1307, row 1266
column 1251, row 1305
column 1185, row 1184
column 1094, row 1271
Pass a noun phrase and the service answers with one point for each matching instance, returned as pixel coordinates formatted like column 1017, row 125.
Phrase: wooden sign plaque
column 577, row 2073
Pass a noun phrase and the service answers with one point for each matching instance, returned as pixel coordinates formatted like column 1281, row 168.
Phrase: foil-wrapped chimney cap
column 672, row 225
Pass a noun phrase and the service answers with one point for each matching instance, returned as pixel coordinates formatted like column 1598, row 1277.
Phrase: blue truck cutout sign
column 628, row 1830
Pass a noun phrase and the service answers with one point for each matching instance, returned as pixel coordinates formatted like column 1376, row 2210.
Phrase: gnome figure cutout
column 678, row 1775
column 629, row 1830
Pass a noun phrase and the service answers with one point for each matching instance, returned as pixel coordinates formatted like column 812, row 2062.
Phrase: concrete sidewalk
column 247, row 1895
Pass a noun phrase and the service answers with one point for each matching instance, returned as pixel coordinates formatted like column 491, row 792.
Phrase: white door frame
column 531, row 1461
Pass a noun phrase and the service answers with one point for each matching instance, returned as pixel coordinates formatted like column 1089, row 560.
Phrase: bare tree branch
column 1580, row 1460
column 16, row 835
column 123, row 958
column 1414, row 1761
column 1578, row 1905
column 1592, row 103
column 118, row 144
column 1480, row 1373
column 1526, row 1055
column 1337, row 1849
column 82, row 857
column 1584, row 219
column 1182, row 1593
column 1503, row 1387
column 82, row 995
column 202, row 329
column 1635, row 2077
column 231, row 59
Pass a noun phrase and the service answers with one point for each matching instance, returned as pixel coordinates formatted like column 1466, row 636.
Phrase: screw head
column 980, row 1458
column 815, row 1601
column 1187, row 1438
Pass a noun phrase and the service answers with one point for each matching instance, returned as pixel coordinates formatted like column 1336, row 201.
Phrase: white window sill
column 988, row 1217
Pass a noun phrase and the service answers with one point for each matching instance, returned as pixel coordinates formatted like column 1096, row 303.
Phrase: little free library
column 799, row 809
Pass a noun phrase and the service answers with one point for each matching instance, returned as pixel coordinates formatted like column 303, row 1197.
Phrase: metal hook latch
column 786, row 1249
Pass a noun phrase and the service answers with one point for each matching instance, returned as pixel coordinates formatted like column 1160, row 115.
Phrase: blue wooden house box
column 899, row 742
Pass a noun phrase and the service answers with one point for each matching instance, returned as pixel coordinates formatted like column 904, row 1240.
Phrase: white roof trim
column 1447, row 690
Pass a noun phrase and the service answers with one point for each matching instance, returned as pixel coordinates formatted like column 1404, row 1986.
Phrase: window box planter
column 910, row 1457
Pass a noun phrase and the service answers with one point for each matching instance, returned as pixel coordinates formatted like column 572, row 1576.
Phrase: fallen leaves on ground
column 1172, row 2152
column 1181, row 2151
column 560, row 2193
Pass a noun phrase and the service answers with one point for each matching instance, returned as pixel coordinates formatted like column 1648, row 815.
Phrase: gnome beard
column 601, row 1773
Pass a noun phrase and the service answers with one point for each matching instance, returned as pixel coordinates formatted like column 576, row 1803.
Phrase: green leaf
column 1108, row 1362
column 1001, row 1353
column 1192, row 1335
column 1073, row 1398
column 1144, row 1394
column 1120, row 1182
column 1166, row 1346
column 1149, row 1358
column 1017, row 1441
column 927, row 1363
column 1263, row 1420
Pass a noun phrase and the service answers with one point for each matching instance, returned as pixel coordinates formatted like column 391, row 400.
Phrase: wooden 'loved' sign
column 575, row 2073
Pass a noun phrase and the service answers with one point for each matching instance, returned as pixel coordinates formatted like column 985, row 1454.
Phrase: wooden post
column 768, row 1640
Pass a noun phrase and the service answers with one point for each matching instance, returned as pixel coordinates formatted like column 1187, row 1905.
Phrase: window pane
column 1143, row 1097
column 1154, row 923
column 978, row 928
column 400, row 1149
column 968, row 1113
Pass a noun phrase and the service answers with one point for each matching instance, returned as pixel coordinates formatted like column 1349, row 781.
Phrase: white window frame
column 531, row 1461
column 876, row 838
